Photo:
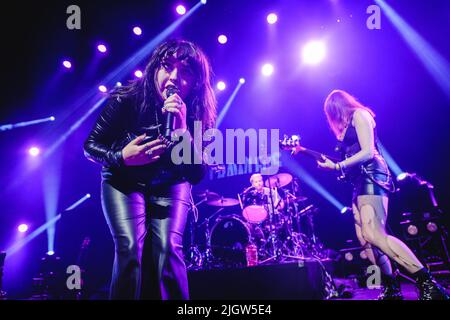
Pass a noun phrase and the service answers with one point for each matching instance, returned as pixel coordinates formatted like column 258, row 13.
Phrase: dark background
column 377, row 66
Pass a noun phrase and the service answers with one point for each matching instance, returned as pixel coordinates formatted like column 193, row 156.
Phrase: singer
column 145, row 196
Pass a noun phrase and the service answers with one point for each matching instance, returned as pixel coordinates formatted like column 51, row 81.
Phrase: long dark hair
column 201, row 102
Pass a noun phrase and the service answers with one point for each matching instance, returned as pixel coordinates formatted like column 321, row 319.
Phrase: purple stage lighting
column 50, row 253
column 138, row 73
column 272, row 18
column 267, row 69
column 242, row 80
column 101, row 48
column 402, row 176
column 221, row 85
column 313, row 52
column 22, row 228
column 34, row 151
column 412, row 230
column 181, row 9
column 222, row 39
column 67, row 64
column 137, row 31
column 102, row 88
column 348, row 256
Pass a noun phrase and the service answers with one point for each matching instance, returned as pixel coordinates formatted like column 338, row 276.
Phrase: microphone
column 170, row 119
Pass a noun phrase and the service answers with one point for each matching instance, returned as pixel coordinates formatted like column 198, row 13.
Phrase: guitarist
column 354, row 126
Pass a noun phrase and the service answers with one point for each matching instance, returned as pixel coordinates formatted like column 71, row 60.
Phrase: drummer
column 257, row 183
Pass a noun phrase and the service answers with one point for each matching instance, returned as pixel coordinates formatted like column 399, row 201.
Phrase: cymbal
column 208, row 195
column 296, row 198
column 223, row 202
column 279, row 180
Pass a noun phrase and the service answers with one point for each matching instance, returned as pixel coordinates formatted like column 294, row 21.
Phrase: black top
column 120, row 122
column 375, row 170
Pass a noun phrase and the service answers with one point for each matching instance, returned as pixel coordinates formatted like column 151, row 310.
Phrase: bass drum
column 230, row 235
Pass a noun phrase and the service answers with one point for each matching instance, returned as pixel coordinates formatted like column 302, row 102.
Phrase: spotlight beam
column 21, row 243
column 227, row 106
column 127, row 66
column 309, row 180
column 25, row 123
column 390, row 161
column 435, row 63
column 74, row 127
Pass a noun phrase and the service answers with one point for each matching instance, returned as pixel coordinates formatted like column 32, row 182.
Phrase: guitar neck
column 317, row 155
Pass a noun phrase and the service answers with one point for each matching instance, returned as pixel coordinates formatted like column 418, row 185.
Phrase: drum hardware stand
column 277, row 253
column 194, row 254
column 208, row 252
column 297, row 243
column 308, row 213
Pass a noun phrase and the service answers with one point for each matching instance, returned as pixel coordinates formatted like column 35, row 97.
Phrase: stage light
column 221, row 85
column 181, row 10
column 50, row 253
column 267, row 69
column 432, row 227
column 118, row 84
column 101, row 48
column 22, row 228
column 102, row 88
column 34, row 151
column 88, row 195
column 363, row 254
column 345, row 209
column 402, row 176
column 348, row 256
column 138, row 73
column 412, row 230
column 222, row 39
column 52, row 118
column 67, row 64
column 313, row 52
column 137, row 31
column 272, row 18
column 228, row 103
column 203, row 1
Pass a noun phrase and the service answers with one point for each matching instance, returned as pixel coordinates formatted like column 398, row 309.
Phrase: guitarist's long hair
column 201, row 102
column 339, row 107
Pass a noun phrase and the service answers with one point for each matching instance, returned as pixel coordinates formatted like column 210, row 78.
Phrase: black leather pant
column 147, row 226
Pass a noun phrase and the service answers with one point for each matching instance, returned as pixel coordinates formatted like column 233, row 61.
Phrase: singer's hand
column 138, row 155
column 176, row 105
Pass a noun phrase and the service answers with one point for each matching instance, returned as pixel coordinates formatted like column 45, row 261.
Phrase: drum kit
column 275, row 226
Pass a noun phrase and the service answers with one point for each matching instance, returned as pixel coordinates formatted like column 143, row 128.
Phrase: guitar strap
column 389, row 185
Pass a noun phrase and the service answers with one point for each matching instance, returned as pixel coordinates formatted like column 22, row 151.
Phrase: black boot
column 429, row 289
column 391, row 288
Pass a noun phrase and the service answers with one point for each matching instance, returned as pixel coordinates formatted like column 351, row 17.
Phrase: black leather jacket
column 118, row 123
